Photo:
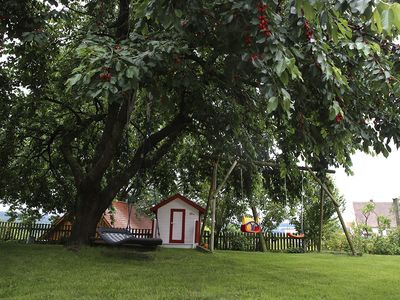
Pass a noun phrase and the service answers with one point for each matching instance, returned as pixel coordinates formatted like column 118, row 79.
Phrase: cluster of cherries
column 339, row 118
column 263, row 21
column 308, row 29
column 105, row 75
column 248, row 40
column 262, row 26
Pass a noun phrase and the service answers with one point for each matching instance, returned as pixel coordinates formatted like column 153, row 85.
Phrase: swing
column 116, row 236
column 295, row 236
column 301, row 234
column 249, row 225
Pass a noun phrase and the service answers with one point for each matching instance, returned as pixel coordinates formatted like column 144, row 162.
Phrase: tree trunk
column 89, row 212
column 260, row 234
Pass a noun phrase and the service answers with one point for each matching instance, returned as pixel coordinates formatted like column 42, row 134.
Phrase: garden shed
column 177, row 222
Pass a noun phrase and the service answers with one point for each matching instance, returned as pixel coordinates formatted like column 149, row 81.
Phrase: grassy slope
column 51, row 272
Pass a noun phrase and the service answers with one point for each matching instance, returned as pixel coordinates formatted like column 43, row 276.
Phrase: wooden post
column 260, row 234
column 396, row 211
column 213, row 199
column 337, row 208
column 213, row 205
column 321, row 212
column 210, row 193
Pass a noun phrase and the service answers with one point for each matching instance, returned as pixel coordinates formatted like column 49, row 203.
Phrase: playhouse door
column 177, row 226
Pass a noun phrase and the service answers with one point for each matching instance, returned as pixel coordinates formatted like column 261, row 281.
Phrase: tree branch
column 117, row 118
column 169, row 132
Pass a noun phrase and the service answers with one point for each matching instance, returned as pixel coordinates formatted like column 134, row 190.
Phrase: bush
column 240, row 242
column 335, row 242
column 382, row 245
column 374, row 244
column 394, row 237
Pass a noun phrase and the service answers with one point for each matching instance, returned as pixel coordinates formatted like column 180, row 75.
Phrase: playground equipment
column 301, row 234
column 249, row 225
column 114, row 236
column 296, row 236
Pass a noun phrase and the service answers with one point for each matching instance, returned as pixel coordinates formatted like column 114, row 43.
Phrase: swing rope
column 302, row 203
column 142, row 156
column 286, row 196
column 301, row 235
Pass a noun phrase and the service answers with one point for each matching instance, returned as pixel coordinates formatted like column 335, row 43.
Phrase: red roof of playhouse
column 180, row 197
column 121, row 217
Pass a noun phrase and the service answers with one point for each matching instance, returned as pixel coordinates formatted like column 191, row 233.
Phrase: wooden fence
column 46, row 233
column 251, row 242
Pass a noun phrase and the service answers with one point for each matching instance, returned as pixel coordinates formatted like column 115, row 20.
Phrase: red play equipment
column 249, row 225
column 296, row 236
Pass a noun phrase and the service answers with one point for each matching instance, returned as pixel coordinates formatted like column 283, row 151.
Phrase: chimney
column 396, row 210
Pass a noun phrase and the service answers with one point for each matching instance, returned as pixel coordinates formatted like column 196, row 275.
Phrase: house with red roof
column 116, row 216
column 177, row 222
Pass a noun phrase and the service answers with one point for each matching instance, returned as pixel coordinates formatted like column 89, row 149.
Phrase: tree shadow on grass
column 129, row 253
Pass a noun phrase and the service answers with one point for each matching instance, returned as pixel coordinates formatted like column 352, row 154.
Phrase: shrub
column 373, row 244
column 382, row 245
column 335, row 242
column 240, row 242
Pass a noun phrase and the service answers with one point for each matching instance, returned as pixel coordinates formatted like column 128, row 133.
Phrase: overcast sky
column 375, row 177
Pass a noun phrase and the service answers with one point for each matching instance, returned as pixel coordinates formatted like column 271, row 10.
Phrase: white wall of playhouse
column 177, row 222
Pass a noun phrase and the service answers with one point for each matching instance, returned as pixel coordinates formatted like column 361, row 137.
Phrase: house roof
column 119, row 219
column 381, row 209
column 180, row 197
column 121, row 214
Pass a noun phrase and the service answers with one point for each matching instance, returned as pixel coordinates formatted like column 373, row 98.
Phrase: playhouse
column 177, row 222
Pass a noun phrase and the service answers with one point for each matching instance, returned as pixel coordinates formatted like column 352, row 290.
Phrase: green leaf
column 286, row 101
column 118, row 66
column 396, row 15
column 272, row 104
column 387, row 21
column 73, row 80
column 261, row 40
column 178, row 13
column 94, row 93
column 359, row 5
column 132, row 72
column 377, row 23
column 280, row 67
column 308, row 10
column 334, row 110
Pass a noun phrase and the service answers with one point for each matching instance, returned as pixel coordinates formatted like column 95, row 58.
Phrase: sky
column 375, row 177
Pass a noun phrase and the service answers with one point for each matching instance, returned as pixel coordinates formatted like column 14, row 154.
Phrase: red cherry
column 254, row 56
column 248, row 40
column 338, row 118
column 105, row 76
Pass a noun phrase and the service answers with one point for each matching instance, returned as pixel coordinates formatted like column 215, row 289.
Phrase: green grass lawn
column 51, row 272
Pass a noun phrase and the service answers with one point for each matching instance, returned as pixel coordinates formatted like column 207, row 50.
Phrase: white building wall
column 164, row 215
